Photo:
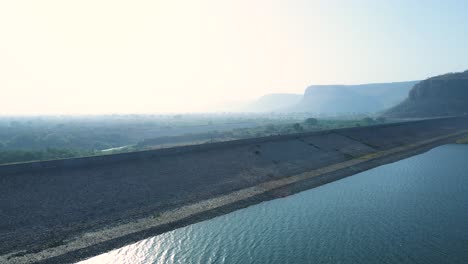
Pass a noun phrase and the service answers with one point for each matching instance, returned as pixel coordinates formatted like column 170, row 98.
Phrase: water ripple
column 411, row 211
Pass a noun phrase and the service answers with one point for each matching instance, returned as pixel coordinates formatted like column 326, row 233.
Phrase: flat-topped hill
column 443, row 95
column 360, row 98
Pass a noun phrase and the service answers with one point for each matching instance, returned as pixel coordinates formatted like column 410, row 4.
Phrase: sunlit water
column 412, row 211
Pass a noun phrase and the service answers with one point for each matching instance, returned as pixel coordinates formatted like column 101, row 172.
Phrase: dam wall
column 368, row 135
column 44, row 204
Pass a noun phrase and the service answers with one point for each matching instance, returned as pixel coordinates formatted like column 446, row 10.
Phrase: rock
column 444, row 95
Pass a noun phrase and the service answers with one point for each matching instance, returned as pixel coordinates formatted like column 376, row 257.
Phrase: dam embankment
column 66, row 210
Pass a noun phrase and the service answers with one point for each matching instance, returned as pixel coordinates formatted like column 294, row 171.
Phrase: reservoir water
column 411, row 211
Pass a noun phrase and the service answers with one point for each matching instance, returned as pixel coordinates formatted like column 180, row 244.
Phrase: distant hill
column 443, row 95
column 272, row 102
column 362, row 98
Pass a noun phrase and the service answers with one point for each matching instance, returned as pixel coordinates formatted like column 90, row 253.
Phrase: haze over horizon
column 102, row 56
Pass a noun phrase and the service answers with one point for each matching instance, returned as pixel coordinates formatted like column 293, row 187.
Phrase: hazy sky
column 95, row 56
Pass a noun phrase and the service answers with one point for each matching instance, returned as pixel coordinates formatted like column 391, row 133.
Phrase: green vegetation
column 451, row 75
column 46, row 138
column 13, row 156
column 463, row 141
column 307, row 125
column 297, row 127
column 311, row 122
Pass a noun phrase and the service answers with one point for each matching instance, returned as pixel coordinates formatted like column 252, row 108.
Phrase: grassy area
column 18, row 144
column 16, row 156
column 306, row 125
column 463, row 141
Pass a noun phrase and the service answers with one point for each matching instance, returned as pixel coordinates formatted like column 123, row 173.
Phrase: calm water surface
column 412, row 211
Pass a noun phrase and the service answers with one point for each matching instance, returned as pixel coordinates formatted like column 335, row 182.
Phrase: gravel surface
column 67, row 210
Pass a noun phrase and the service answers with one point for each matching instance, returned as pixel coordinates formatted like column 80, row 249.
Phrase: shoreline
column 94, row 243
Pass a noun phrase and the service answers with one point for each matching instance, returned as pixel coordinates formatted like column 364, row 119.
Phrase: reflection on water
column 412, row 211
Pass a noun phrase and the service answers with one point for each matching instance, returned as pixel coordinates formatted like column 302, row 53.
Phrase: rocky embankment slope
column 63, row 211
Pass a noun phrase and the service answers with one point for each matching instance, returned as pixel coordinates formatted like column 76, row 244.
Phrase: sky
column 156, row 56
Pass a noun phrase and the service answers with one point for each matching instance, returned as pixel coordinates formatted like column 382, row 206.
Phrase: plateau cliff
column 361, row 98
column 443, row 95
column 335, row 99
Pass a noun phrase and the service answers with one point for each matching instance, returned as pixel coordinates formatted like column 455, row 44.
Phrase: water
column 412, row 211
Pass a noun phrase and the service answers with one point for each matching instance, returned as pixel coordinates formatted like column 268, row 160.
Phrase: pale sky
column 110, row 56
